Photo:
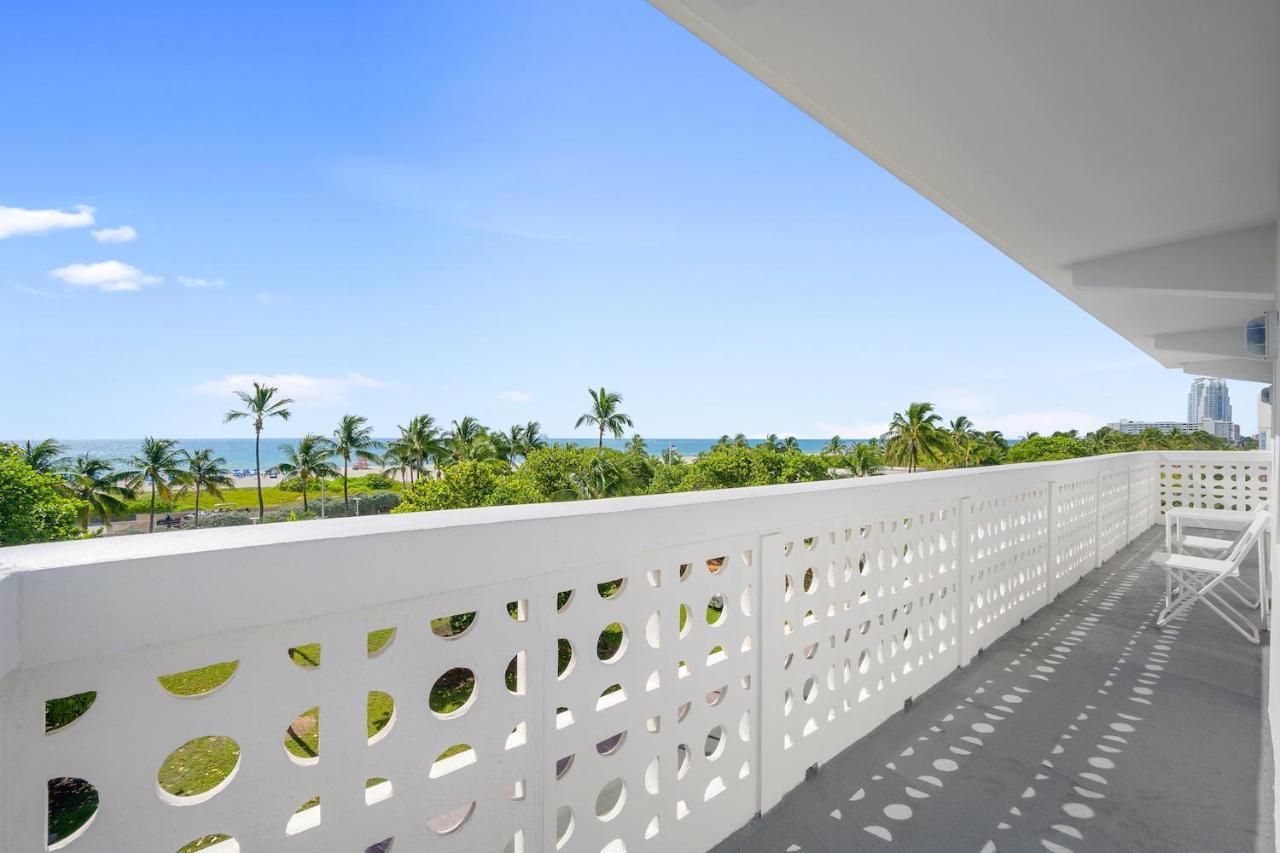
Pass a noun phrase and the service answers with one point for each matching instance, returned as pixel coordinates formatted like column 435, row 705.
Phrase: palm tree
column 43, row 456
column 791, row 443
column 533, row 437
column 517, row 442
column 604, row 414
column 468, row 440
column 259, row 406
column 915, row 436
column 419, row 444
column 157, row 462
column 602, row 479
column 963, row 441
column 308, row 461
column 771, row 442
column 637, row 445
column 205, row 471
column 864, row 459
column 353, row 439
column 94, row 482
column 835, row 447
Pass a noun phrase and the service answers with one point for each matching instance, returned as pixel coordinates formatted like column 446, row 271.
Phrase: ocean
column 239, row 451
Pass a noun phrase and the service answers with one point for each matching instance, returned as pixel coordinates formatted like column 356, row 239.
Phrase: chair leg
column 1215, row 602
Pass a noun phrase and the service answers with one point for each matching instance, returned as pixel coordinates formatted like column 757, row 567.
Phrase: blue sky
column 483, row 208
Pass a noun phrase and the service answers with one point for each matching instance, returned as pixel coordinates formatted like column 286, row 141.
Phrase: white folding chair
column 1213, row 546
column 1190, row 579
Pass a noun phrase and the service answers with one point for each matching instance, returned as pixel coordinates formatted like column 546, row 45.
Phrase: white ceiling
column 1091, row 141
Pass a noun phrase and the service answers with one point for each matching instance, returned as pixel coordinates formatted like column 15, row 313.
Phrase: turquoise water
column 239, row 451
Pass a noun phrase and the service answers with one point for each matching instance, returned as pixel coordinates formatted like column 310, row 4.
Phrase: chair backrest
column 1241, row 548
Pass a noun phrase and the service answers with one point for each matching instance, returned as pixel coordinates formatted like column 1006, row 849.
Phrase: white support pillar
column 962, row 585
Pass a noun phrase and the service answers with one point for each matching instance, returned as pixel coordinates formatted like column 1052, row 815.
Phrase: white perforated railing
column 614, row 675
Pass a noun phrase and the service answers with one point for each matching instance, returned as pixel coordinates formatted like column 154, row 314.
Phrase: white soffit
column 1128, row 154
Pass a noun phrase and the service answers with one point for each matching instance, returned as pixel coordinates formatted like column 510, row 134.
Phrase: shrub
column 33, row 507
column 217, row 518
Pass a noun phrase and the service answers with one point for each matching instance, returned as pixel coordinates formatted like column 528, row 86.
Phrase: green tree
column 45, row 456
column 205, row 472
column 158, row 463
column 470, row 483
column 34, row 506
column 835, row 447
column 310, row 460
column 915, row 437
column 353, row 439
column 637, row 445
column 95, row 483
column 1046, row 448
column 604, row 414
column 259, row 406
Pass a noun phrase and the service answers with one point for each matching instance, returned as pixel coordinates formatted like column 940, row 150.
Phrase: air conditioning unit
column 1260, row 336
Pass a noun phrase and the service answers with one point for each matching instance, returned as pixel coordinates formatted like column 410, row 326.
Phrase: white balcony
column 842, row 602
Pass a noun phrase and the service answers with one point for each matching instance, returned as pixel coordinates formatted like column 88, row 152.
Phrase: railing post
column 1097, row 520
column 1051, row 547
column 769, row 790
column 962, row 583
column 1128, row 506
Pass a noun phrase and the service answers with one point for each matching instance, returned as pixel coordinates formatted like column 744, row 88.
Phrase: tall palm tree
column 94, row 481
column 310, row 460
column 157, row 462
column 43, row 456
column 353, row 439
column 604, row 414
column 419, row 444
column 637, row 445
column 206, row 472
column 915, row 436
column 963, row 441
column 835, row 447
column 259, row 406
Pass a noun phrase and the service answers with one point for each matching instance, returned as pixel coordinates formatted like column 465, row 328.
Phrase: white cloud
column 107, row 276
column 191, row 281
column 16, row 220
column 303, row 389
column 516, row 396
column 123, row 234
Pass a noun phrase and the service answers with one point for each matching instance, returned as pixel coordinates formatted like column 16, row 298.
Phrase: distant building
column 1208, row 398
column 1135, row 427
column 1213, row 426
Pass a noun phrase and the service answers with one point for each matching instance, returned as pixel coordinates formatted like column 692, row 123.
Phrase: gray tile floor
column 1085, row 729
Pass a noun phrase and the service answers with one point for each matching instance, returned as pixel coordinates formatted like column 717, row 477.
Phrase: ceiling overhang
column 1126, row 154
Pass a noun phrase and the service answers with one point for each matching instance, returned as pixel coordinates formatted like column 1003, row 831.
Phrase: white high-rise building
column 1208, row 398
